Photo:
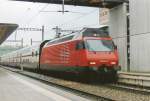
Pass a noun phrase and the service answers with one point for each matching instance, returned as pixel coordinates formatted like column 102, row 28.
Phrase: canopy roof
column 5, row 30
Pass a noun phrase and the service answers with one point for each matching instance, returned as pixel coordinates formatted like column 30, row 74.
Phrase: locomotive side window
column 80, row 45
column 61, row 40
column 66, row 39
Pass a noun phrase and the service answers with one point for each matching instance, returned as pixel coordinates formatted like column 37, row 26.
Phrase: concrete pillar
column 118, row 31
column 140, row 35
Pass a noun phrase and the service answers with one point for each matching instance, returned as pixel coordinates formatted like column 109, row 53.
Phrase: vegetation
column 7, row 48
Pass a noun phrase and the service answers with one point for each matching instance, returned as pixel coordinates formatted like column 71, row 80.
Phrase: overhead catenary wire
column 77, row 18
column 33, row 17
column 22, row 16
column 80, row 18
column 42, row 8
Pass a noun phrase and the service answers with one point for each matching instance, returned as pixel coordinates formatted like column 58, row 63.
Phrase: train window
column 52, row 42
column 61, row 40
column 66, row 38
column 36, row 53
column 80, row 45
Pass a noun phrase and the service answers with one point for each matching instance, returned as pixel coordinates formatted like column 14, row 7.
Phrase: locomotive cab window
column 100, row 45
column 80, row 45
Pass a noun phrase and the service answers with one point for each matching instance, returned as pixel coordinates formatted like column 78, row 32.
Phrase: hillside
column 7, row 49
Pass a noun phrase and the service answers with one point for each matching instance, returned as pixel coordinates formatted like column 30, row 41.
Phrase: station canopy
column 5, row 30
column 90, row 3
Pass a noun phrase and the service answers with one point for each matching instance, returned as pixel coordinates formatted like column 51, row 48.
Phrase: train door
column 35, row 57
column 40, row 52
column 21, row 62
column 0, row 60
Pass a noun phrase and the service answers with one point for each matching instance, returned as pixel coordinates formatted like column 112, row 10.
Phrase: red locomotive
column 90, row 49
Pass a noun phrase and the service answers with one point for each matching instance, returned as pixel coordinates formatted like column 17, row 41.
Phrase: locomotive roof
column 102, row 31
column 85, row 32
column 98, row 32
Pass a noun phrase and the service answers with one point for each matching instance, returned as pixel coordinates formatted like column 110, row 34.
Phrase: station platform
column 134, row 78
column 16, row 87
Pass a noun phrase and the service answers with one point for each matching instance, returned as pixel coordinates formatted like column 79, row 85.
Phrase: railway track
column 133, row 88
column 102, row 92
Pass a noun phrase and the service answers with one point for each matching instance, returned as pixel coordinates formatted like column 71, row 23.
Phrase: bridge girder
column 90, row 3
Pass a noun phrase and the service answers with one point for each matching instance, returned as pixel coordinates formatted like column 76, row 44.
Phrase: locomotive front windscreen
column 100, row 45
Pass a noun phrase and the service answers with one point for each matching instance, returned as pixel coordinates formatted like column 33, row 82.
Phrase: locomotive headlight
column 113, row 63
column 92, row 63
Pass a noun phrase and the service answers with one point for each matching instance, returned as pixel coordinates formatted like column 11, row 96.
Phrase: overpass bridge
column 89, row 3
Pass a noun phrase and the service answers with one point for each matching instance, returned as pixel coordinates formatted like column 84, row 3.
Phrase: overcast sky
column 28, row 14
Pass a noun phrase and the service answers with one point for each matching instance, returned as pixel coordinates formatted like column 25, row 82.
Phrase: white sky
column 28, row 14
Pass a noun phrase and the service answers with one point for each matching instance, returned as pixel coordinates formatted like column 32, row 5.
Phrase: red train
column 91, row 49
